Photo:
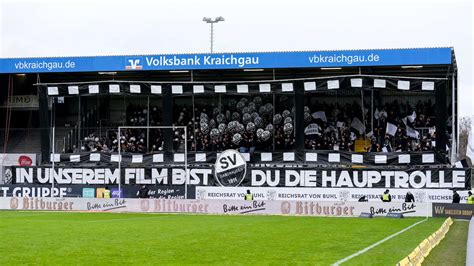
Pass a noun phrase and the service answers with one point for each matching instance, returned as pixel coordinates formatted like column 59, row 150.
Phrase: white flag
column 340, row 124
column 358, row 125
column 320, row 115
column 413, row 133
column 432, row 130
column 412, row 117
column 391, row 129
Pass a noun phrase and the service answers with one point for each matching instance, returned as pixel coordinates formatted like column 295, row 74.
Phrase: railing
column 314, row 158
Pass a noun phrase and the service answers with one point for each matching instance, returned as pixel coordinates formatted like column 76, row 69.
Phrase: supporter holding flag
column 320, row 115
column 391, row 129
column 412, row 117
column 358, row 125
column 413, row 133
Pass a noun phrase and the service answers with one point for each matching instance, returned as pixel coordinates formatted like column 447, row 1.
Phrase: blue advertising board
column 308, row 59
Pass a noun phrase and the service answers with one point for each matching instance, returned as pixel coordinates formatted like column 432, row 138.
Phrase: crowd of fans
column 131, row 140
column 396, row 127
column 245, row 123
column 257, row 124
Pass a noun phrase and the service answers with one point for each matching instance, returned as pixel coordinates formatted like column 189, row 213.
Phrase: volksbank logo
column 133, row 64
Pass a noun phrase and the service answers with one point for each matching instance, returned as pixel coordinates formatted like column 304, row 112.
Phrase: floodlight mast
column 212, row 22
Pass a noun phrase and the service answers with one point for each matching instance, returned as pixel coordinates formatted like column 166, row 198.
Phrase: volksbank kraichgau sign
column 348, row 58
column 230, row 168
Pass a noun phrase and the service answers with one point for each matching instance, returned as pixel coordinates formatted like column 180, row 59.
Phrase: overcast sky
column 62, row 28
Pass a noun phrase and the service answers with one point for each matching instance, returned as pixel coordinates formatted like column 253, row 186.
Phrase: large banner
column 229, row 193
column 384, row 57
column 432, row 178
column 325, row 194
column 330, row 209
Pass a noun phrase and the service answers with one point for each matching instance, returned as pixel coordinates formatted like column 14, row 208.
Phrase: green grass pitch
column 54, row 238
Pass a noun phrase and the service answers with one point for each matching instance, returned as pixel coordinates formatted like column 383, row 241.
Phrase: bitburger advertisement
column 304, row 208
column 38, row 204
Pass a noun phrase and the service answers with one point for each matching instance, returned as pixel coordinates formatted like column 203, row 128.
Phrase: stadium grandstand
column 367, row 108
column 354, row 133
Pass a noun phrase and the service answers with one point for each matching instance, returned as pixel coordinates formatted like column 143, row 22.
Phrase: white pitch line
column 362, row 251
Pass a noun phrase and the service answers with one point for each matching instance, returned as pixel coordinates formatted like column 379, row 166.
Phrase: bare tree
column 465, row 124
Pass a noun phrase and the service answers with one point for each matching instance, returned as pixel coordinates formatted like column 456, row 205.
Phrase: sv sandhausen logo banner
column 230, row 168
